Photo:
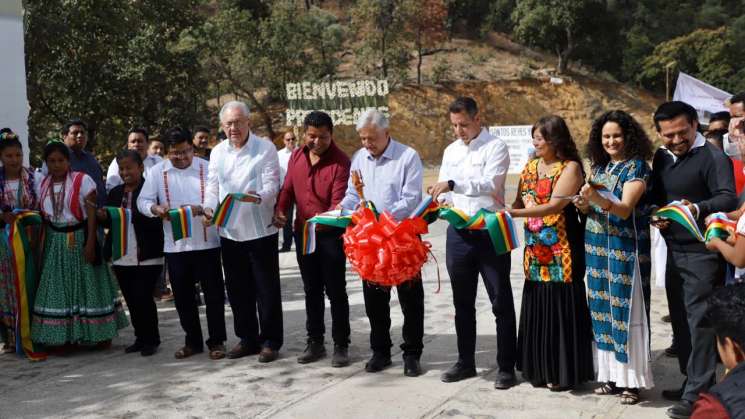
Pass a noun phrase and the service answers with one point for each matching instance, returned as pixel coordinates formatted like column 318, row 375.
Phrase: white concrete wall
column 13, row 99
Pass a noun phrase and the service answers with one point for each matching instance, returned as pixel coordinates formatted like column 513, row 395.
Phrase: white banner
column 519, row 141
column 706, row 98
column 14, row 103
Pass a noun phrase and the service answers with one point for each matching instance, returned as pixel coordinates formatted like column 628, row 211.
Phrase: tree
column 253, row 55
column 381, row 26
column 704, row 53
column 558, row 25
column 112, row 63
column 426, row 20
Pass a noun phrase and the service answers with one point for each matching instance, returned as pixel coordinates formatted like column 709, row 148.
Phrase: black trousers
column 287, row 229
column 689, row 280
column 468, row 254
column 378, row 309
column 252, row 279
column 324, row 271
column 185, row 269
column 137, row 284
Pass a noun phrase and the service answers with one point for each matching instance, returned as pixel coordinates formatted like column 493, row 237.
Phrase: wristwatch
column 451, row 185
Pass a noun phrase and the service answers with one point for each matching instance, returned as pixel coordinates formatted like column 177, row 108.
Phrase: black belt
column 67, row 228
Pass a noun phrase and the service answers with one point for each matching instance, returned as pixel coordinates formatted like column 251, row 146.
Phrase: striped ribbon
column 225, row 209
column 337, row 218
column 678, row 212
column 121, row 218
column 499, row 225
column 720, row 226
column 25, row 281
column 428, row 210
column 181, row 222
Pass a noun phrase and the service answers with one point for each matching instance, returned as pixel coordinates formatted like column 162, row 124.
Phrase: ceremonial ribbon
column 605, row 192
column 120, row 218
column 720, row 226
column 337, row 218
column 679, row 212
column 25, row 281
column 499, row 225
column 225, row 209
column 180, row 222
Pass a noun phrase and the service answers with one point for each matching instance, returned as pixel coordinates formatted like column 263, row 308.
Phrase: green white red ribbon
column 499, row 225
column 225, row 209
column 181, row 222
column 679, row 212
column 720, row 226
column 25, row 281
column 121, row 218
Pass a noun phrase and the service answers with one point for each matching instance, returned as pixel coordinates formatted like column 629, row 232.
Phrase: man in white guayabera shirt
column 248, row 164
column 177, row 182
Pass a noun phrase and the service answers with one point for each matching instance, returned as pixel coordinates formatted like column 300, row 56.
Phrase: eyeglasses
column 180, row 154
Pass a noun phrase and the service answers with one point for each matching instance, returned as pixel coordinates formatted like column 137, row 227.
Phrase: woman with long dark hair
column 617, row 252
column 555, row 335
column 77, row 301
column 16, row 192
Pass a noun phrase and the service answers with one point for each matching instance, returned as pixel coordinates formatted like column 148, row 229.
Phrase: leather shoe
column 378, row 362
column 680, row 410
column 135, row 347
column 340, row 358
column 268, row 354
column 314, row 351
column 240, row 350
column 672, row 351
column 505, row 380
column 412, row 367
column 458, row 372
column 673, row 395
column 149, row 350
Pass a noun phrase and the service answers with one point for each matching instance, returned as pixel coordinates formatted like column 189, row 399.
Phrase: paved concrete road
column 112, row 384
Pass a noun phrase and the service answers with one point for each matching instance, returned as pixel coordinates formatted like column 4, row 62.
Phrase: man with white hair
column 248, row 164
column 392, row 173
column 472, row 177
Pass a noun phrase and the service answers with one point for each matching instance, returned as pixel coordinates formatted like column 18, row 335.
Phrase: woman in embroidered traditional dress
column 139, row 266
column 617, row 253
column 16, row 192
column 555, row 334
column 77, row 300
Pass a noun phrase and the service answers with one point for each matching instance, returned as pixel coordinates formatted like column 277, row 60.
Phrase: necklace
column 58, row 200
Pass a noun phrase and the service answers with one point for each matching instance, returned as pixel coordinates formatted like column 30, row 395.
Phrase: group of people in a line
column 586, row 298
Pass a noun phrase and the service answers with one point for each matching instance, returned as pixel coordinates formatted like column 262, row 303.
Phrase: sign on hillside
column 343, row 100
column 519, row 142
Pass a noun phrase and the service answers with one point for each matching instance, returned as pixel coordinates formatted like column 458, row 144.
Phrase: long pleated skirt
column 555, row 334
column 76, row 302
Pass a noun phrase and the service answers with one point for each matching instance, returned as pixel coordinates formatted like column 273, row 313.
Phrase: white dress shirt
column 284, row 160
column 393, row 181
column 479, row 171
column 185, row 187
column 112, row 175
column 253, row 167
